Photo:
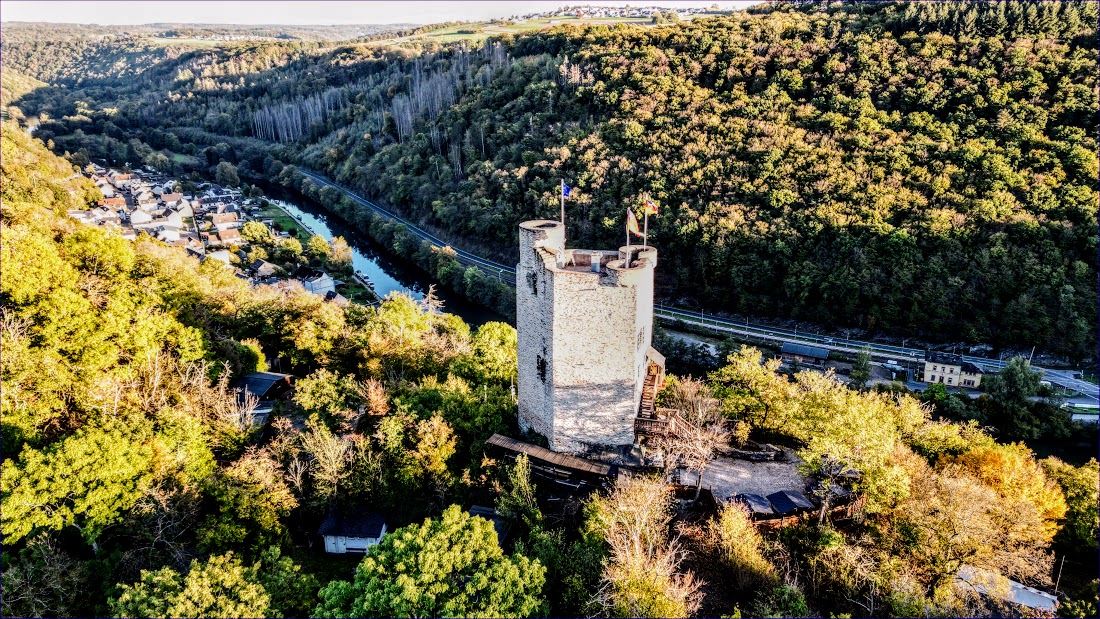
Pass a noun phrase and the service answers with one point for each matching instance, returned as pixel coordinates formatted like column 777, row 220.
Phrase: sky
column 298, row 12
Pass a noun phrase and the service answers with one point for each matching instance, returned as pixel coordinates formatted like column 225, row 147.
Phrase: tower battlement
column 585, row 323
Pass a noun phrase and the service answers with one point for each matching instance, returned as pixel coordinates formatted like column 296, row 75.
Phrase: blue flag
column 565, row 189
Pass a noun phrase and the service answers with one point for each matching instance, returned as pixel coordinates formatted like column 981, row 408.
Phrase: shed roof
column 757, row 504
column 349, row 523
column 805, row 351
column 262, row 383
column 789, row 501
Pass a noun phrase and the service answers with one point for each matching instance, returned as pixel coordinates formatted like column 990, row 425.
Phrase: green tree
column 225, row 173
column 861, row 369
column 1081, row 488
column 252, row 498
column 86, row 480
column 221, row 586
column 449, row 566
column 517, row 500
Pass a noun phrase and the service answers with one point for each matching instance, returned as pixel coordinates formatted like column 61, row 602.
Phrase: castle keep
column 585, row 324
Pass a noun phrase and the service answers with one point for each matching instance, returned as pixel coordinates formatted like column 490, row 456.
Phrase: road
column 722, row 326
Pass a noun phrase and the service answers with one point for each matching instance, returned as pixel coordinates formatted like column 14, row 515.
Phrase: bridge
column 714, row 324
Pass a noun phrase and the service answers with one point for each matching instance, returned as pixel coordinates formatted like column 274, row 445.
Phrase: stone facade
column 585, row 324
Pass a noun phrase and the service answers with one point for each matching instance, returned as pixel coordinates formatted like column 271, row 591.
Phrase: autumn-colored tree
column 641, row 577
column 1020, row 481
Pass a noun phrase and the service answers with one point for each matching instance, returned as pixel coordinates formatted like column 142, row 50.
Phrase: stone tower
column 585, row 324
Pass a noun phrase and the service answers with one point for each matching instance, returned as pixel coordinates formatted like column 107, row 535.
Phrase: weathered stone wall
column 583, row 337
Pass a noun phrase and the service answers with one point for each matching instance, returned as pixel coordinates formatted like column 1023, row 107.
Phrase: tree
column 1079, row 485
column 289, row 250
column 861, row 368
column 339, row 253
column 1014, row 474
column 451, row 566
column 517, row 500
column 252, row 498
column 41, row 581
column 225, row 174
column 221, row 586
column 317, row 248
column 740, row 545
column 255, row 232
column 86, row 480
column 641, row 577
column 1014, row 384
column 330, row 458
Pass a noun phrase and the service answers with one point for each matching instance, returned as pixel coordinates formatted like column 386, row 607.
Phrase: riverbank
column 387, row 269
column 359, row 289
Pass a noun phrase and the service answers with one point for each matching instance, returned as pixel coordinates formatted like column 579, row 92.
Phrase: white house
column 174, row 218
column 345, row 531
column 168, row 234
column 318, row 283
column 185, row 209
column 140, row 217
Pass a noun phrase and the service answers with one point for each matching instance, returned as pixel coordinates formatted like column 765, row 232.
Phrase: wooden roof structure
column 551, row 457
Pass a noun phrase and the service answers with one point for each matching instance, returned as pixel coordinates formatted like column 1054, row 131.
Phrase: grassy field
column 482, row 30
column 188, row 42
column 285, row 222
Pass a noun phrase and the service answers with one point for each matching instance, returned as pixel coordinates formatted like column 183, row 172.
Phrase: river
column 386, row 272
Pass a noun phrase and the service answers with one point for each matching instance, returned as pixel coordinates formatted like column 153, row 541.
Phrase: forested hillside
column 126, row 452
column 923, row 169
column 136, row 482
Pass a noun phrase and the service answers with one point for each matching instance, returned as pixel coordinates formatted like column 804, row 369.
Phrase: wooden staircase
column 651, row 420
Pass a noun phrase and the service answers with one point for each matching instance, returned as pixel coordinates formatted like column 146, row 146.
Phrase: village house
column 120, row 180
column 140, row 217
column 224, row 221
column 185, row 209
column 168, row 234
column 230, row 237
column 171, row 199
column 221, row 256
column 266, row 387
column 951, row 370
column 263, row 268
column 317, row 282
column 113, row 203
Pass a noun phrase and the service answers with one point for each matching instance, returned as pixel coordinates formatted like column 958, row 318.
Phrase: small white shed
column 346, row 532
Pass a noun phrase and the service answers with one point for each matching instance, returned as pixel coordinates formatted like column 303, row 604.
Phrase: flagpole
column 645, row 226
column 562, row 192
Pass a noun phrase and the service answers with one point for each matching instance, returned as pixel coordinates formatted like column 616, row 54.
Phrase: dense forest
column 136, row 485
column 922, row 169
